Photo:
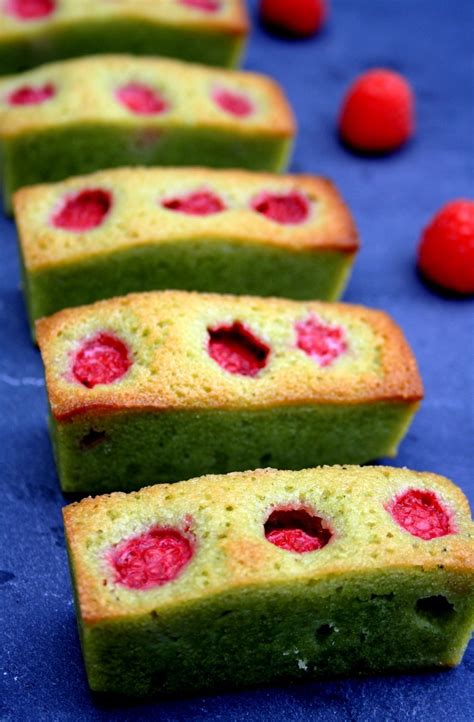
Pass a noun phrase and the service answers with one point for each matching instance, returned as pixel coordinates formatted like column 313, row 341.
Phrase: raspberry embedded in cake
column 233, row 102
column 297, row 530
column 83, row 211
column 31, row 95
column 207, row 6
column 29, row 9
column 420, row 512
column 320, row 340
column 237, row 350
column 142, row 99
column 286, row 208
column 199, row 203
column 102, row 359
column 152, row 559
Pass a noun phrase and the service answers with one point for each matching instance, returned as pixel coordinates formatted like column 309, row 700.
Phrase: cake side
column 336, row 558
column 294, row 353
column 292, row 212
column 87, row 90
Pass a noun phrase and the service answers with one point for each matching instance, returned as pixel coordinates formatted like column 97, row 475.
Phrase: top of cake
column 123, row 89
column 119, row 209
column 30, row 18
column 174, row 350
column 264, row 527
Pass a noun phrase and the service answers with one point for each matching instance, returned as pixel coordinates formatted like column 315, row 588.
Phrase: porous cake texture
column 267, row 576
column 164, row 386
column 33, row 32
column 84, row 115
column 140, row 229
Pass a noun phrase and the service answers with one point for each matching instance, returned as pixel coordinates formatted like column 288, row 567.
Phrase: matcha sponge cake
column 125, row 230
column 266, row 576
column 33, row 32
column 84, row 115
column 163, row 386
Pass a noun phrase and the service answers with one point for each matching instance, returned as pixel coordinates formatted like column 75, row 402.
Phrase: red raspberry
column 152, row 559
column 83, row 211
column 30, row 9
column 101, row 360
column 233, row 103
column 289, row 208
column 446, row 251
column 378, row 112
column 296, row 17
column 141, row 99
column 296, row 530
column 30, row 95
column 199, row 203
column 420, row 512
column 321, row 341
column 237, row 350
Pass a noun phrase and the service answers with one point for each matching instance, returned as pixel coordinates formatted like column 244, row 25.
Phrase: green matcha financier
column 163, row 386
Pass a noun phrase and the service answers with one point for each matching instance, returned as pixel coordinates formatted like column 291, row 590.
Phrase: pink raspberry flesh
column 207, row 6
column 83, row 211
column 285, row 208
column 30, row 95
column 237, row 350
column 319, row 340
column 152, row 559
column 102, row 359
column 297, row 530
column 233, row 102
column 199, row 203
column 141, row 99
column 29, row 9
column 420, row 513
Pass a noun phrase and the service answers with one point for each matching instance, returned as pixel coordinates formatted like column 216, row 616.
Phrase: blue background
column 392, row 198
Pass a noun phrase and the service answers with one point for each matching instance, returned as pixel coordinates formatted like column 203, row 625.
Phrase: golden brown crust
column 231, row 19
column 172, row 370
column 86, row 95
column 236, row 555
column 138, row 192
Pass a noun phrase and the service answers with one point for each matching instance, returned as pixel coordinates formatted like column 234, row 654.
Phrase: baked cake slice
column 33, row 32
column 163, row 386
column 118, row 231
column 266, row 576
column 84, row 115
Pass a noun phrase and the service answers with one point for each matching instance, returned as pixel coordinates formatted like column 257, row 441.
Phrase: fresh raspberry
column 295, row 17
column 83, row 211
column 446, row 251
column 141, row 99
column 207, row 6
column 152, row 559
column 323, row 342
column 288, row 208
column 29, row 9
column 101, row 360
column 199, row 203
column 237, row 350
column 232, row 102
column 420, row 512
column 30, row 95
column 296, row 530
column 378, row 112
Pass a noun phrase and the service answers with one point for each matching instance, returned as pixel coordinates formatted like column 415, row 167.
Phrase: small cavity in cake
column 237, row 350
column 152, row 559
column 233, row 102
column 207, row 6
column 102, row 359
column 420, row 512
column 83, row 211
column 321, row 341
column 29, row 9
column 200, row 203
column 31, row 95
column 297, row 530
column 285, row 208
column 142, row 99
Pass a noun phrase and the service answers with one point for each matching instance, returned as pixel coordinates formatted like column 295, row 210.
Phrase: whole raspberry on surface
column 377, row 113
column 295, row 17
column 446, row 250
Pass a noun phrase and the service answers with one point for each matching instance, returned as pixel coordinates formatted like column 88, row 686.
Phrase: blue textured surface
column 392, row 198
